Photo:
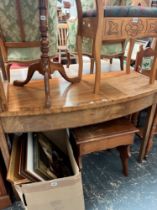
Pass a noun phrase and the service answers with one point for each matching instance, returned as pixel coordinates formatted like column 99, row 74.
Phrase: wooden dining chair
column 108, row 50
column 62, row 41
column 112, row 24
column 117, row 133
column 144, row 62
column 28, row 35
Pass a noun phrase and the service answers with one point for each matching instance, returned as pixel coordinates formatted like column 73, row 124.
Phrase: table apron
column 72, row 119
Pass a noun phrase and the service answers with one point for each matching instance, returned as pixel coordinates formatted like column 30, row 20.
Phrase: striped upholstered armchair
column 108, row 50
column 28, row 35
column 20, row 35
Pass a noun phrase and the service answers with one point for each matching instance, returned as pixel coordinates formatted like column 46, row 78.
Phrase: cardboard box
column 59, row 194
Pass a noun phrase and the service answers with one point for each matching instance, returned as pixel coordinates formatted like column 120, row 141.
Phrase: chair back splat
column 112, row 24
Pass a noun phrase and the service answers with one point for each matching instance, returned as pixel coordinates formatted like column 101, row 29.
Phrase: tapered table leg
column 147, row 131
column 4, row 147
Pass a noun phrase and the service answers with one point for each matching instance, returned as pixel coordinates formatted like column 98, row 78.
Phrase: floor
column 105, row 188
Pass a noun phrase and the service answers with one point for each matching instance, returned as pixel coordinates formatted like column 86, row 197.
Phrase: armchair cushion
column 123, row 11
column 30, row 16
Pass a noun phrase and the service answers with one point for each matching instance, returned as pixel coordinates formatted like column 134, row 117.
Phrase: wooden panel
column 74, row 118
column 126, row 28
column 89, row 27
column 22, row 44
column 108, row 143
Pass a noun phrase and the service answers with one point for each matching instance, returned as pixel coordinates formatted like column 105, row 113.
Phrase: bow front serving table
column 75, row 105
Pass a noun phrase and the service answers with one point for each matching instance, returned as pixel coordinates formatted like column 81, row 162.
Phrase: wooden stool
column 116, row 133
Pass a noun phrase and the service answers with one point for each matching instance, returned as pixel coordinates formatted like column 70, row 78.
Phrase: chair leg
column 7, row 67
column 121, row 62
column 68, row 59
column 111, row 60
column 91, row 65
column 80, row 162
column 4, row 73
column 97, row 58
column 80, row 57
column 59, row 67
column 31, row 70
column 124, row 155
column 47, row 90
column 150, row 140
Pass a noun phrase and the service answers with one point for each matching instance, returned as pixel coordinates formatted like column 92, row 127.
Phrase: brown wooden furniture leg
column 121, row 58
column 111, row 60
column 97, row 66
column 150, row 140
column 37, row 67
column 128, row 60
column 59, row 67
column 91, row 65
column 124, row 155
column 68, row 59
column 47, row 90
column 7, row 67
column 80, row 60
column 3, row 67
column 147, row 131
column 4, row 148
column 31, row 70
column 98, row 73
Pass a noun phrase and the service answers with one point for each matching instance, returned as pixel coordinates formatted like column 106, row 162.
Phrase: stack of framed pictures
column 35, row 158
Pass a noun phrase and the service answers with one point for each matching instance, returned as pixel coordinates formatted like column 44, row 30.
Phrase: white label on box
column 54, row 184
